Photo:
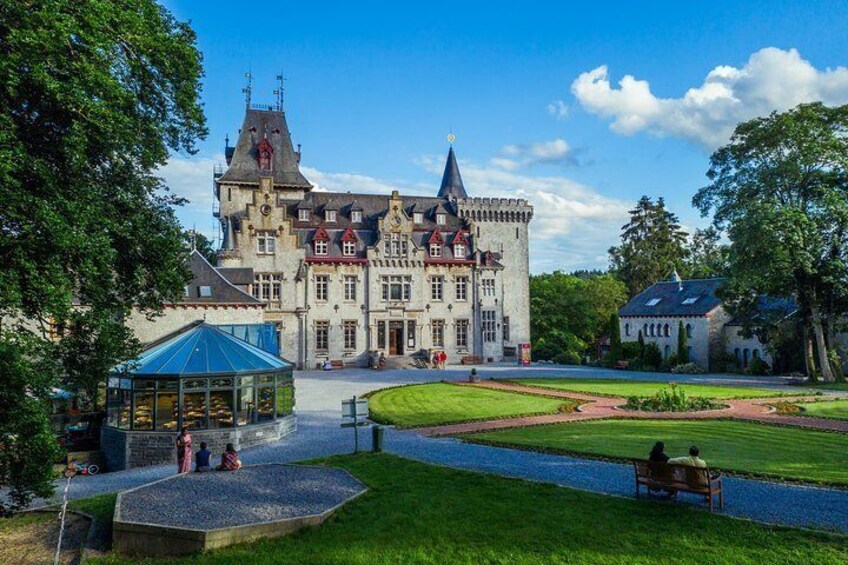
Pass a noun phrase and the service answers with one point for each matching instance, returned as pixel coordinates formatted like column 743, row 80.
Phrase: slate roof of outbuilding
column 223, row 291
column 767, row 309
column 671, row 295
column 260, row 124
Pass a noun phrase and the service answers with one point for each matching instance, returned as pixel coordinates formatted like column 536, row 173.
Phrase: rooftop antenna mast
column 248, row 90
column 280, row 91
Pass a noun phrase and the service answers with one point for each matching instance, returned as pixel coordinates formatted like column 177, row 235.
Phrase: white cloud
column 771, row 79
column 192, row 179
column 553, row 152
column 558, row 109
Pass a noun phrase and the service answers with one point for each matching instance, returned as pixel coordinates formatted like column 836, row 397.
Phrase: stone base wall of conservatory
column 123, row 449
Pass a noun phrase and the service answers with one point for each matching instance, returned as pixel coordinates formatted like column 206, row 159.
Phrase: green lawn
column 643, row 388
column 418, row 513
column 743, row 447
column 837, row 409
column 440, row 403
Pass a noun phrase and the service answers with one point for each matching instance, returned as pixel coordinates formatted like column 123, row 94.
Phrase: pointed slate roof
column 202, row 350
column 452, row 186
column 244, row 166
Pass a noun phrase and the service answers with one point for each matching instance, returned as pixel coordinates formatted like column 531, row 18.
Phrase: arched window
column 738, row 354
column 666, row 330
column 746, row 354
column 645, row 330
column 756, row 354
column 627, row 330
column 688, row 330
column 652, row 330
column 666, row 352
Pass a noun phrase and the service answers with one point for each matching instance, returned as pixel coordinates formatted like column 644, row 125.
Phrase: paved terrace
column 319, row 434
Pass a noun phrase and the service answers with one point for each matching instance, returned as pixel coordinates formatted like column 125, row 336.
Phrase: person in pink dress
column 443, row 358
column 184, row 451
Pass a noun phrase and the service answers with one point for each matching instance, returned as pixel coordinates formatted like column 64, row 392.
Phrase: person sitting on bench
column 657, row 454
column 229, row 460
column 692, row 460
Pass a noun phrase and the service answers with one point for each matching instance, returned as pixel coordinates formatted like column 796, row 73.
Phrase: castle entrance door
column 396, row 338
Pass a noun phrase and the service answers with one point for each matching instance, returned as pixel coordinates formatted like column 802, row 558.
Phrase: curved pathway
column 319, row 434
column 601, row 407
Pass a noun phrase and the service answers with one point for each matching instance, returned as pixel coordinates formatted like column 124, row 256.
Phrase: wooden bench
column 679, row 478
column 470, row 360
column 622, row 365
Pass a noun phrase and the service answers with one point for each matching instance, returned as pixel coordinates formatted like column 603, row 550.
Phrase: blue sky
column 536, row 93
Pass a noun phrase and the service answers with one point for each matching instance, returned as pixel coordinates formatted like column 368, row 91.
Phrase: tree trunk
column 818, row 332
column 809, row 359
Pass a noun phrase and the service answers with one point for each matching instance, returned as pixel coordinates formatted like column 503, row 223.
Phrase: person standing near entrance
column 184, row 451
column 443, row 358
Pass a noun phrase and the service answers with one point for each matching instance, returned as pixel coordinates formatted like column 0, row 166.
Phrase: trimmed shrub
column 687, row 369
column 567, row 358
column 630, row 350
column 652, row 356
column 758, row 367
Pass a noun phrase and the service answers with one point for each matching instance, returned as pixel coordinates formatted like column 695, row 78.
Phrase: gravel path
column 253, row 495
column 319, row 434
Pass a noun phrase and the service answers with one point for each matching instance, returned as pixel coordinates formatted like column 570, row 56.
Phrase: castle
column 345, row 276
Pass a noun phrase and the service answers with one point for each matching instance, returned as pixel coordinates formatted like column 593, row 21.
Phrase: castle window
column 437, row 285
column 627, row 330
column 204, row 291
column 330, row 216
column 435, row 250
column 688, row 330
column 488, row 287
column 356, row 216
column 265, row 160
column 266, row 286
column 396, row 245
column 441, row 219
column 459, row 251
column 322, row 335
column 438, row 333
column 320, row 246
column 489, row 331
column 350, row 335
column 462, row 288
column 186, row 291
column 397, row 288
column 266, row 243
column 322, row 283
column 666, row 352
column 350, row 287
column 461, row 334
column 348, row 248
column 666, row 330
column 505, row 326
column 417, row 218
column 303, row 215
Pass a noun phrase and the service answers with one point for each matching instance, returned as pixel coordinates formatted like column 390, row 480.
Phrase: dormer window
column 435, row 250
column 459, row 250
column 356, row 216
column 348, row 248
column 440, row 219
column 303, row 215
column 204, row 291
column 330, row 216
column 653, row 302
column 321, row 247
column 418, row 218
column 263, row 155
column 691, row 300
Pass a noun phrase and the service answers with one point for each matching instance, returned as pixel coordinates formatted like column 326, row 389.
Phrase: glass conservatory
column 203, row 379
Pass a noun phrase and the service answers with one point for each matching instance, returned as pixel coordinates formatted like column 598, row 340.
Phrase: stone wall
column 129, row 449
column 699, row 342
column 734, row 340
column 176, row 317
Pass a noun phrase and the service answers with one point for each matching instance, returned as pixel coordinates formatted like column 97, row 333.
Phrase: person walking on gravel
column 184, row 451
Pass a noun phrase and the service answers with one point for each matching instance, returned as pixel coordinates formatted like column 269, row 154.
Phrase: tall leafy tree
column 615, row 351
column 682, row 351
column 652, row 246
column 780, row 189
column 94, row 95
column 707, row 257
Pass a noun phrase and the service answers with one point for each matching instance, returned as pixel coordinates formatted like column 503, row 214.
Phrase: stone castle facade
column 346, row 276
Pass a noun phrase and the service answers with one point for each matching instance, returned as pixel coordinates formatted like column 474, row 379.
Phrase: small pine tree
column 682, row 351
column 615, row 352
column 641, row 344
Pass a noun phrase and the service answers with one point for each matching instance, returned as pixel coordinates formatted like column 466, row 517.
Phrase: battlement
column 495, row 209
